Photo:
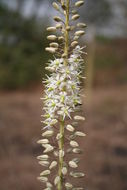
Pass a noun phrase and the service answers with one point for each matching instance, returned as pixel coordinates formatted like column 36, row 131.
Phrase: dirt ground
column 105, row 147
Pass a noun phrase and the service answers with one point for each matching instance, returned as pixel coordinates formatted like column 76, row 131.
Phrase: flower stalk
column 66, row 52
column 62, row 100
column 61, row 148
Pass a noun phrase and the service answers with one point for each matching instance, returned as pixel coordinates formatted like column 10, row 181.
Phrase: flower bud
column 74, row 12
column 48, row 133
column 50, row 50
column 77, row 117
column 43, row 179
column 54, row 45
column 56, row 6
column 80, row 134
column 68, row 185
column 44, row 163
column 57, row 179
column 51, row 37
column 57, row 19
column 43, row 157
column 79, row 3
column 51, row 29
column 74, row 43
column 49, row 148
column 64, row 55
column 61, row 38
column 59, row 136
column 74, row 144
column 76, row 37
column 49, row 185
column 63, row 6
column 72, row 164
column 79, row 33
column 43, row 141
column 53, row 165
column 77, row 174
column 76, row 150
column 81, row 25
column 68, row 28
column 64, row 170
column 51, row 69
column 70, row 128
column 45, row 172
column 58, row 25
column 75, row 17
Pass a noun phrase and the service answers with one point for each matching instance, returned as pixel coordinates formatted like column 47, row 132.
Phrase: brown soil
column 105, row 147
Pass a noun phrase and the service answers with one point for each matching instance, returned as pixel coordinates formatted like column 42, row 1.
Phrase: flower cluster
column 61, row 100
column 62, row 87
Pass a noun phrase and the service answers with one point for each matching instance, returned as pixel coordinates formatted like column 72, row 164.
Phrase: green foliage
column 22, row 54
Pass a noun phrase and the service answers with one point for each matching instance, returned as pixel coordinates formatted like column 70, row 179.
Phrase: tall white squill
column 62, row 100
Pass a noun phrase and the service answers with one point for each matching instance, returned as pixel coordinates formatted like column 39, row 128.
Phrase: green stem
column 66, row 47
column 61, row 147
column 66, row 52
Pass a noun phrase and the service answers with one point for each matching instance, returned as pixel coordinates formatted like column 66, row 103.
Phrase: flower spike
column 62, row 100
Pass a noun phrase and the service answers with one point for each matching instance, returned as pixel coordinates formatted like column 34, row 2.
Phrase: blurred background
column 22, row 60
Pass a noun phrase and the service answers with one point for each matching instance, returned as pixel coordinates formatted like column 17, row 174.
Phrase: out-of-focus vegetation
column 97, row 13
column 23, row 40
column 21, row 47
column 110, row 61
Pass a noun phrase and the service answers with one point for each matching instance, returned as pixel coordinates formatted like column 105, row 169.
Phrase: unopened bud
column 51, row 29
column 74, row 43
column 61, row 38
column 77, row 117
column 68, row 28
column 74, row 144
column 79, row 3
column 50, row 49
column 75, row 17
column 80, row 134
column 74, row 12
column 72, row 164
column 54, row 45
column 43, row 179
column 43, row 141
column 70, row 128
column 53, row 165
column 64, row 55
column 81, row 25
column 45, row 172
column 47, row 133
column 51, row 37
column 76, row 37
column 63, row 6
column 58, row 25
column 57, row 179
column 56, row 6
column 57, row 19
column 79, row 33
column 68, row 185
